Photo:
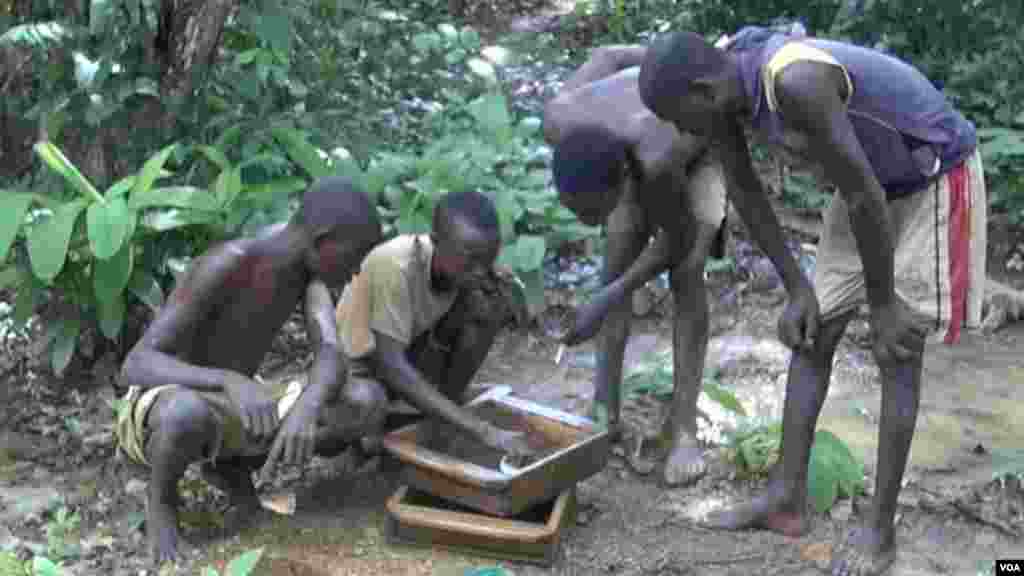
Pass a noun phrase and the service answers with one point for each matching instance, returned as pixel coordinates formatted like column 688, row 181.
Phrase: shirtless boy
column 192, row 393
column 419, row 318
column 615, row 163
column 908, row 174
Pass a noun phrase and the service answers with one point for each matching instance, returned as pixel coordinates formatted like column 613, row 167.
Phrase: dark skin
column 653, row 202
column 811, row 102
column 212, row 335
column 463, row 257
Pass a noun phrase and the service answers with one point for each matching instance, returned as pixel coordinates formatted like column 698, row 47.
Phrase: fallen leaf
column 280, row 503
column 820, row 553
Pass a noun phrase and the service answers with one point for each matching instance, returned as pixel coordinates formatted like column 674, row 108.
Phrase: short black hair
column 589, row 160
column 472, row 208
column 335, row 203
column 672, row 63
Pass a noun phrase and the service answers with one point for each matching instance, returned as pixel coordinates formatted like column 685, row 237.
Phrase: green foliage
column 481, row 147
column 101, row 252
column 653, row 376
column 833, row 472
column 62, row 537
column 241, row 565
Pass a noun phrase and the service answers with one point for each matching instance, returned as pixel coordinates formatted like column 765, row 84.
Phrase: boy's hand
column 799, row 322
column 256, row 408
column 896, row 336
column 509, row 442
column 586, row 321
column 296, row 440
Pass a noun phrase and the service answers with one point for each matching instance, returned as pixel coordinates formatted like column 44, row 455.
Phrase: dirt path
column 629, row 525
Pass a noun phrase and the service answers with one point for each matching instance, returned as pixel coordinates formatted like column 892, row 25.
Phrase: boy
column 897, row 236
column 192, row 394
column 419, row 318
column 616, row 163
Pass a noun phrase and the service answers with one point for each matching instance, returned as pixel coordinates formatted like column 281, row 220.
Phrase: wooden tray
column 464, row 471
column 419, row 519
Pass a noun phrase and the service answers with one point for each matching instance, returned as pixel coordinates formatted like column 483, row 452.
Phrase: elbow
column 131, row 368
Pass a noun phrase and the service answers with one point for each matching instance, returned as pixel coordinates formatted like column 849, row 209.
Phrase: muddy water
column 973, row 394
column 446, row 439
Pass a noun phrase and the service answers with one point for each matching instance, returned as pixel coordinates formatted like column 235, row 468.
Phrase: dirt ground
column 57, row 451
column 954, row 519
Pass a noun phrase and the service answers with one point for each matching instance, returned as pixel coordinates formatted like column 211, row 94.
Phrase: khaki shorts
column 705, row 187
column 132, row 431
column 940, row 242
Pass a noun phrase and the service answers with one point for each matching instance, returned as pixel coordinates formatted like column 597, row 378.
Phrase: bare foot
column 685, row 464
column 769, row 511
column 863, row 554
column 643, row 453
column 161, row 531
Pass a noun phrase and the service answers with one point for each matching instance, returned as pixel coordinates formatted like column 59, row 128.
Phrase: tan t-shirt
column 391, row 294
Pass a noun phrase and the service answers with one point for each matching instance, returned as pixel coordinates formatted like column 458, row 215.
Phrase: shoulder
column 395, row 257
column 799, row 74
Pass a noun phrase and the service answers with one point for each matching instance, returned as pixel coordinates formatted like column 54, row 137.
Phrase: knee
column 180, row 412
column 181, row 424
column 366, row 400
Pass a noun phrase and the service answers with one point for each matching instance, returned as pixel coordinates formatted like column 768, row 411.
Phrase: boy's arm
column 296, row 441
column 153, row 361
column 799, row 324
column 603, row 62
column 810, row 99
column 401, row 376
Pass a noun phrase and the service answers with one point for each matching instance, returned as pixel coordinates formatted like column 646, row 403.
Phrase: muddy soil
column 58, row 451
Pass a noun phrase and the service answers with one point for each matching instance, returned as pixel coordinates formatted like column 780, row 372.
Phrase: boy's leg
column 706, row 190
column 182, row 429
column 628, row 235
column 359, row 412
column 685, row 463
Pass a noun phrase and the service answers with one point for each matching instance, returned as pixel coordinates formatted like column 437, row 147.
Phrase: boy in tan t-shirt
column 418, row 319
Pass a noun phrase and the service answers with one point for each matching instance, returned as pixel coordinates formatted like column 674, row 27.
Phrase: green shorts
column 133, row 432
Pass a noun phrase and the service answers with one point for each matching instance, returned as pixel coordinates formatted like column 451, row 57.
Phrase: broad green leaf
column 483, row 69
column 120, row 188
column 59, row 163
column 301, row 151
column 13, row 207
column 833, row 471
column 110, row 277
column 822, row 486
column 152, row 169
column 527, row 253
column 274, row 26
column 145, row 287
column 227, row 186
column 30, row 294
column 491, row 113
column 111, row 316
column 533, row 283
column 275, row 188
column 63, row 345
column 108, row 225
column 43, row 566
column 164, row 220
column 215, row 156
column 244, row 564
column 210, row 571
column 186, row 197
column 48, row 241
column 9, row 277
column 724, row 398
